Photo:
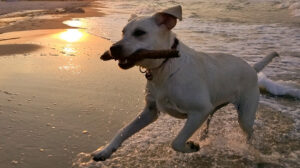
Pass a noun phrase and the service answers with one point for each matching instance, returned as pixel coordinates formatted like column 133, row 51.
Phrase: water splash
column 276, row 136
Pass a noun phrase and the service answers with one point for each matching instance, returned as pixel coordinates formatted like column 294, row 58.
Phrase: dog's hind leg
column 246, row 108
column 149, row 115
column 205, row 132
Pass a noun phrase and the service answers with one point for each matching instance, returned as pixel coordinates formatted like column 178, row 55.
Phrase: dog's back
column 225, row 74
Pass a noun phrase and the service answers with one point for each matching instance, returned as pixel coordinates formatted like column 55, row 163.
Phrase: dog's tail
column 265, row 61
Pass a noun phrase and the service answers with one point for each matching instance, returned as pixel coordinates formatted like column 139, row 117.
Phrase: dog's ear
column 133, row 16
column 168, row 17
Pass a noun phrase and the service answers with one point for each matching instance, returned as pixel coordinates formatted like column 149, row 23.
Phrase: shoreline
column 44, row 14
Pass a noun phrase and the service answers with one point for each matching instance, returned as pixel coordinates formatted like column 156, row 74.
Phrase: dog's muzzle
column 116, row 51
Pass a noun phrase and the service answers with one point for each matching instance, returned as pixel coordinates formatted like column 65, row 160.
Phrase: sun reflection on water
column 69, row 50
column 73, row 35
column 74, row 23
column 71, row 47
column 70, row 67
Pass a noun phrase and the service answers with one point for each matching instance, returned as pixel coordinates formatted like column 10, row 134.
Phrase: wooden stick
column 144, row 54
column 106, row 56
column 153, row 54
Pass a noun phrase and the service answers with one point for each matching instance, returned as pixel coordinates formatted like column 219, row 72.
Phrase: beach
column 35, row 15
column 45, row 121
column 59, row 102
column 56, row 97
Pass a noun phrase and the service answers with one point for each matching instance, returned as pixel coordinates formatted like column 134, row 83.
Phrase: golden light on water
column 70, row 67
column 69, row 50
column 73, row 39
column 73, row 35
column 74, row 23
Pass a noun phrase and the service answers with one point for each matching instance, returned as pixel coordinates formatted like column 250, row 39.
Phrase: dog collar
column 148, row 73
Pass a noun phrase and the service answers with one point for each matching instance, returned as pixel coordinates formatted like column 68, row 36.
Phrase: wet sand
column 55, row 93
column 59, row 99
column 36, row 15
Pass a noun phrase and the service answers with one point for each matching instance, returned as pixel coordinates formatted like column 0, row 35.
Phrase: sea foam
column 276, row 88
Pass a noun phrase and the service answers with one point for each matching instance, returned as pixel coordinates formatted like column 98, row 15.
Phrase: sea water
column 249, row 29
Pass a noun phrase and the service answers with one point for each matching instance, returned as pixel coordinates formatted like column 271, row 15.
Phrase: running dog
column 192, row 86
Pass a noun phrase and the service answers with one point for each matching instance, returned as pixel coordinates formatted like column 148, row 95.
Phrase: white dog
column 192, row 86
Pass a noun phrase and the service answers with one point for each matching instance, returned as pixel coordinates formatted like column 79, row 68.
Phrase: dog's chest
column 165, row 103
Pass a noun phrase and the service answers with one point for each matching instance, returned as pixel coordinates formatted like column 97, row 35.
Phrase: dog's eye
column 138, row 32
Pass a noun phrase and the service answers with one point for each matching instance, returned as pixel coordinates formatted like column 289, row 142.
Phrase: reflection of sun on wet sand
column 52, row 96
column 51, row 88
column 73, row 35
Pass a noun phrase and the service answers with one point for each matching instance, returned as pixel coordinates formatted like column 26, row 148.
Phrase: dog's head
column 151, row 33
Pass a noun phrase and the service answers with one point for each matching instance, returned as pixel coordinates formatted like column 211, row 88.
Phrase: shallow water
column 248, row 29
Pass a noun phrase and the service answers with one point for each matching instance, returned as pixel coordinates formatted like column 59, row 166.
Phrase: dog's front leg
column 194, row 121
column 149, row 115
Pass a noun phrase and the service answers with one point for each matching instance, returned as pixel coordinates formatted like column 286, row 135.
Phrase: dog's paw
column 194, row 147
column 188, row 147
column 101, row 155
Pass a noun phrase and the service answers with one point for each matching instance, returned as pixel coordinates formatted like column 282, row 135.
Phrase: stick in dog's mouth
column 130, row 61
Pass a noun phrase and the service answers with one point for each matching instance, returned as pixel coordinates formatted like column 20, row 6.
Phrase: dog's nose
column 116, row 51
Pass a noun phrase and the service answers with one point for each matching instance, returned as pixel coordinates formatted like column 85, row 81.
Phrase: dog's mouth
column 130, row 61
column 126, row 63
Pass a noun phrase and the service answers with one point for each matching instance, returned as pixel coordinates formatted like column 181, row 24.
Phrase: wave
column 293, row 5
column 276, row 88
